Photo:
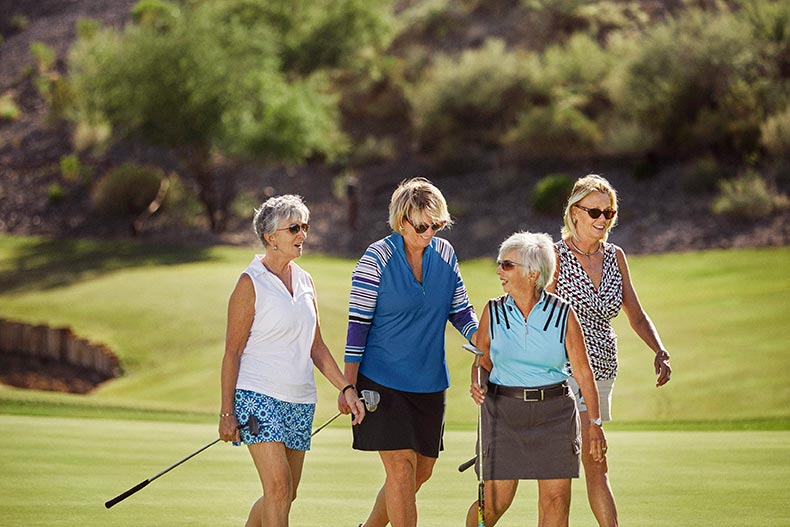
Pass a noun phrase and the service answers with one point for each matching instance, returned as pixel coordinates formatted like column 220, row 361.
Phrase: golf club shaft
column 143, row 483
column 325, row 424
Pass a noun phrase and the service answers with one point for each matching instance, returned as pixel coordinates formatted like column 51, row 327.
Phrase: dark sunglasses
column 508, row 265
column 294, row 228
column 422, row 227
column 595, row 213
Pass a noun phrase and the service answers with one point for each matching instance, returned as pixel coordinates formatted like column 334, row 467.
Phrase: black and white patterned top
column 595, row 308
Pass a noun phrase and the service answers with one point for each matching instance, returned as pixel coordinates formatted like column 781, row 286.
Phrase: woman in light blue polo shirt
column 530, row 424
column 404, row 290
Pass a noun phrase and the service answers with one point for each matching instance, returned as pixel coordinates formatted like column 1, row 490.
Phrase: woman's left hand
column 597, row 443
column 351, row 398
column 663, row 369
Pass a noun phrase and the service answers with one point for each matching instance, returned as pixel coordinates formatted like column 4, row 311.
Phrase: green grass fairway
column 723, row 314
column 60, row 471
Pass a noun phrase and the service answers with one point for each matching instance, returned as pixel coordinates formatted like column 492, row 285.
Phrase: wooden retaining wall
column 59, row 345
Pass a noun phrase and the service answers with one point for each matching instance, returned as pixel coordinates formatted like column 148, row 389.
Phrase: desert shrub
column 126, row 190
column 467, row 102
column 157, row 14
column 712, row 99
column 43, row 55
column 70, row 168
column 775, row 132
column 55, row 193
column 87, row 28
column 702, row 175
column 748, row 196
column 565, row 122
column 556, row 130
column 9, row 110
column 769, row 21
column 551, row 194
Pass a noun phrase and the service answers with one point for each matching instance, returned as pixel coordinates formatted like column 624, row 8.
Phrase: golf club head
column 371, row 399
column 472, row 349
column 252, row 425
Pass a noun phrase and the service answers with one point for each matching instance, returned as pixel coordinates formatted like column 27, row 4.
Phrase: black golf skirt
column 402, row 421
column 530, row 440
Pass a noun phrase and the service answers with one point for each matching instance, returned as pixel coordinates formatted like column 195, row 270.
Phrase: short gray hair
column 275, row 210
column 536, row 252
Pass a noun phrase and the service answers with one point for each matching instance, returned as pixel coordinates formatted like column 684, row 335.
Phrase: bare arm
column 241, row 312
column 326, row 364
column 641, row 324
column 582, row 372
column 482, row 340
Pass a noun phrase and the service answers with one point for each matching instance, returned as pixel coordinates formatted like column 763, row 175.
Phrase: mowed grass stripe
column 60, row 471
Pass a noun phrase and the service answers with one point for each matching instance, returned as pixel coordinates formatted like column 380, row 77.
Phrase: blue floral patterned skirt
column 278, row 421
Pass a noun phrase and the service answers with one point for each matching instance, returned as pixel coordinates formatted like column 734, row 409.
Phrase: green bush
column 87, row 28
column 702, row 175
column 775, row 133
column 70, row 168
column 463, row 103
column 55, row 193
column 749, row 197
column 9, row 110
column 126, row 190
column 43, row 55
column 551, row 194
column 695, row 82
column 156, row 14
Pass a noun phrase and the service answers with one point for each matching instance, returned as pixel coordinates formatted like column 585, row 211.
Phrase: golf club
column 252, row 423
column 369, row 398
column 481, row 489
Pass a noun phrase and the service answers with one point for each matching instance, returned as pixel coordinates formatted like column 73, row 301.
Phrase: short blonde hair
column 417, row 195
column 581, row 189
column 535, row 252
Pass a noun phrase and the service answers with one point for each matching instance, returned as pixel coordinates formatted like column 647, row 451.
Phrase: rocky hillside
column 489, row 200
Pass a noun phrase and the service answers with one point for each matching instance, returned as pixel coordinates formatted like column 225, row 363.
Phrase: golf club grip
column 466, row 464
column 123, row 496
column 481, row 505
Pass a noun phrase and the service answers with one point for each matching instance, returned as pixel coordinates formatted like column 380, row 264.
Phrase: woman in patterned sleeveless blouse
column 593, row 276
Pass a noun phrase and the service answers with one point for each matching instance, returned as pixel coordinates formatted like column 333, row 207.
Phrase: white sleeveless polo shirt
column 276, row 359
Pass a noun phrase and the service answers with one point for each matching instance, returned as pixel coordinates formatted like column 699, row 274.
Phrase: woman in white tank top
column 273, row 342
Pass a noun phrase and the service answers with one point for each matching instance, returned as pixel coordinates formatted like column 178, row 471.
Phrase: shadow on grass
column 44, row 264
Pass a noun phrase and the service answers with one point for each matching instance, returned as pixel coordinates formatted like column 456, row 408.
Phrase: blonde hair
column 535, row 252
column 581, row 189
column 417, row 195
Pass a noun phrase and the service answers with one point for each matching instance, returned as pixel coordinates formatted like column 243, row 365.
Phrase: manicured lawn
column 723, row 314
column 60, row 471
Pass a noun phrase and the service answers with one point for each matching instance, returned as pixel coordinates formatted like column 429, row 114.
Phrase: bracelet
column 343, row 391
column 226, row 415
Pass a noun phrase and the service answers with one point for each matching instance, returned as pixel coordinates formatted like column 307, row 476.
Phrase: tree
column 246, row 79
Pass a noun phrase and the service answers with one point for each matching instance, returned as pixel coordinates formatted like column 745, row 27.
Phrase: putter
column 481, row 488
column 252, row 423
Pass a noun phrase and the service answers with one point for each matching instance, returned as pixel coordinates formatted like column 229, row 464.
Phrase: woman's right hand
column 342, row 405
column 478, row 393
column 229, row 428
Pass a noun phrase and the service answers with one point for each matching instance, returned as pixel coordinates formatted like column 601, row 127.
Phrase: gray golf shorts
column 605, row 389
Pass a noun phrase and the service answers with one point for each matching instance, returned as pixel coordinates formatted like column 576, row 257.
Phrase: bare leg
column 554, row 502
column 596, row 475
column 406, row 472
column 499, row 497
column 280, row 470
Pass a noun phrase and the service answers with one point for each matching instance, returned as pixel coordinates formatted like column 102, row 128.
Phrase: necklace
column 286, row 280
column 585, row 253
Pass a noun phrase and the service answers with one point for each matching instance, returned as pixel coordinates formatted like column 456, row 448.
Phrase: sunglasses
column 508, row 265
column 294, row 228
column 595, row 213
column 422, row 227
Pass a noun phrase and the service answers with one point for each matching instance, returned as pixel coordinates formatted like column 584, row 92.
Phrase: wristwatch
column 598, row 422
